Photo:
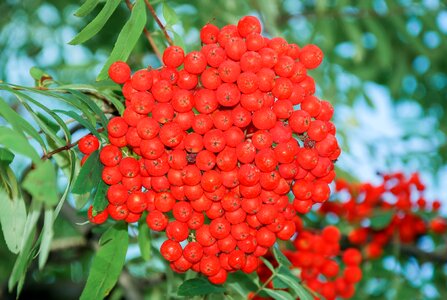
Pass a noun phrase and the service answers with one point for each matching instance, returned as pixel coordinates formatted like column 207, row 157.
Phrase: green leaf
column 99, row 201
column 293, row 283
column 89, row 176
column 144, row 240
column 102, row 90
column 37, row 73
column 12, row 219
column 279, row 295
column 17, row 143
column 41, row 183
column 34, row 212
column 381, row 219
column 178, row 40
column 50, row 124
column 96, row 24
column 280, row 257
column 127, row 38
column 81, row 120
column 21, row 264
column 242, row 283
column 268, row 264
column 198, row 286
column 6, row 156
column 107, row 263
column 278, row 283
column 86, row 8
column 92, row 105
column 47, row 236
column 16, row 121
column 169, row 14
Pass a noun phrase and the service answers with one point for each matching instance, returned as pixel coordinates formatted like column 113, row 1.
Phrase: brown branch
column 63, row 148
column 148, row 36
column 154, row 14
column 436, row 257
column 57, row 150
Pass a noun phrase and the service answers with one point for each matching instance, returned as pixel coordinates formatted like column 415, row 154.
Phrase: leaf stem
column 154, row 14
column 148, row 35
column 265, row 284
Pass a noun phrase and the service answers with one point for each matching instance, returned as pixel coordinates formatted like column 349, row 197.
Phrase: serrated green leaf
column 169, row 14
column 280, row 257
column 127, row 38
column 41, row 183
column 17, row 143
column 89, row 176
column 86, row 8
column 279, row 295
column 144, row 240
column 107, row 263
column 198, row 286
column 97, row 23
column 6, row 156
column 12, row 219
column 47, row 237
column 381, row 219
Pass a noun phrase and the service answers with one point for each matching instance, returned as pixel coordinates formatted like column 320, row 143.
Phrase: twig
column 68, row 243
column 148, row 36
column 436, row 257
column 57, row 150
column 154, row 14
column 63, row 148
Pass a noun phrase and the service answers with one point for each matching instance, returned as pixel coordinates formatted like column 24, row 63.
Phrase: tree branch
column 154, row 14
column 148, row 36
column 436, row 257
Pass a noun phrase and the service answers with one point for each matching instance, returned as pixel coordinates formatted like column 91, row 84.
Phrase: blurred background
column 385, row 72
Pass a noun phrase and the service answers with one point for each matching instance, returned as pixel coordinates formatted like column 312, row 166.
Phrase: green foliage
column 89, row 176
column 381, row 219
column 98, row 22
column 107, row 263
column 198, row 286
column 127, row 38
column 144, row 240
column 41, row 183
column 12, row 218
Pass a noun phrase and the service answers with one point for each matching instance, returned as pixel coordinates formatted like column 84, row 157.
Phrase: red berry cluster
column 399, row 194
column 217, row 139
column 318, row 257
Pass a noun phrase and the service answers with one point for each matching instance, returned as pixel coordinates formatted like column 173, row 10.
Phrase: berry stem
column 148, row 36
column 154, row 14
